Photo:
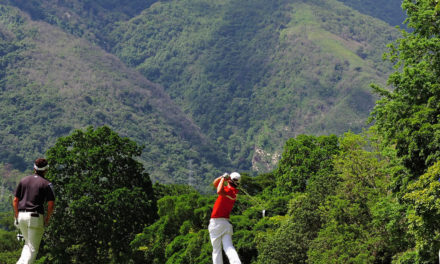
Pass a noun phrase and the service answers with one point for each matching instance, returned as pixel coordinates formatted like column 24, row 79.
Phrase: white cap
column 235, row 176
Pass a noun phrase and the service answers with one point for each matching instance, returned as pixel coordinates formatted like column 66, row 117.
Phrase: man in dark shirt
column 31, row 194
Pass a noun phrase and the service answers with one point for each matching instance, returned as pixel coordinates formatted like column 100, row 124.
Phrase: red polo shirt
column 224, row 203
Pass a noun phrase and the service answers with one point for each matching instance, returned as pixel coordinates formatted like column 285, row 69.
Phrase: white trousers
column 220, row 232
column 32, row 229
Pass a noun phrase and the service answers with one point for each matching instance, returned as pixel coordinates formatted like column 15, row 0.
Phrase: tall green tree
column 361, row 221
column 408, row 116
column 424, row 217
column 180, row 235
column 306, row 173
column 103, row 197
column 303, row 157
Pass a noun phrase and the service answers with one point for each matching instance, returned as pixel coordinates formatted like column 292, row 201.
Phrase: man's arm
column 219, row 183
column 221, row 187
column 50, row 208
column 216, row 181
column 15, row 206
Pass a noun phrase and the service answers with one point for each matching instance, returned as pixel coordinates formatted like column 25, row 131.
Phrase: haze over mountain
column 205, row 85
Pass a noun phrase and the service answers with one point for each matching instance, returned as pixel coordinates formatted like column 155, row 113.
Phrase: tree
column 9, row 179
column 10, row 247
column 180, row 235
column 408, row 116
column 103, row 197
column 302, row 158
column 424, row 216
column 290, row 241
column 361, row 221
column 306, row 168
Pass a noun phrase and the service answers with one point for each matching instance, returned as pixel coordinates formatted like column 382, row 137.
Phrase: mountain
column 253, row 73
column 53, row 82
column 242, row 75
column 386, row 10
column 92, row 20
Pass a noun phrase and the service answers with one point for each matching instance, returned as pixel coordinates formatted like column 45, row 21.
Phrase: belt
column 28, row 210
column 33, row 212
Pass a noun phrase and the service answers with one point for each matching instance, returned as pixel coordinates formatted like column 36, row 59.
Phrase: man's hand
column 226, row 176
column 50, row 208
column 46, row 221
column 15, row 206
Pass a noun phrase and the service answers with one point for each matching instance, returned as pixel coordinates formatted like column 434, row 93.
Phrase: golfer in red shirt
column 220, row 229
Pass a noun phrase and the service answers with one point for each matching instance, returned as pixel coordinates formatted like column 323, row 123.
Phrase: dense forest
column 363, row 196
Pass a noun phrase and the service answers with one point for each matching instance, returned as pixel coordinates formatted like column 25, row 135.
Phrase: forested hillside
column 92, row 20
column 254, row 73
column 52, row 83
column 250, row 74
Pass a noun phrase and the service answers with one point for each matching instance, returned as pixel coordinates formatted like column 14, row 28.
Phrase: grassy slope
column 58, row 83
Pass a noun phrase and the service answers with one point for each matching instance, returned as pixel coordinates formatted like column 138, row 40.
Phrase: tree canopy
column 304, row 157
column 103, row 197
column 408, row 116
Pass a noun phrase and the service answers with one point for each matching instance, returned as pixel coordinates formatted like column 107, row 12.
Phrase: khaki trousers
column 32, row 229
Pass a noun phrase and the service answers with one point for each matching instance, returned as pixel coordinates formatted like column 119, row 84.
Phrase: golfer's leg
column 217, row 257
column 230, row 250
column 216, row 230
column 35, row 234
column 23, row 223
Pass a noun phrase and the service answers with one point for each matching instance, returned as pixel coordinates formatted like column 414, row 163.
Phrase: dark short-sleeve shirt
column 32, row 192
